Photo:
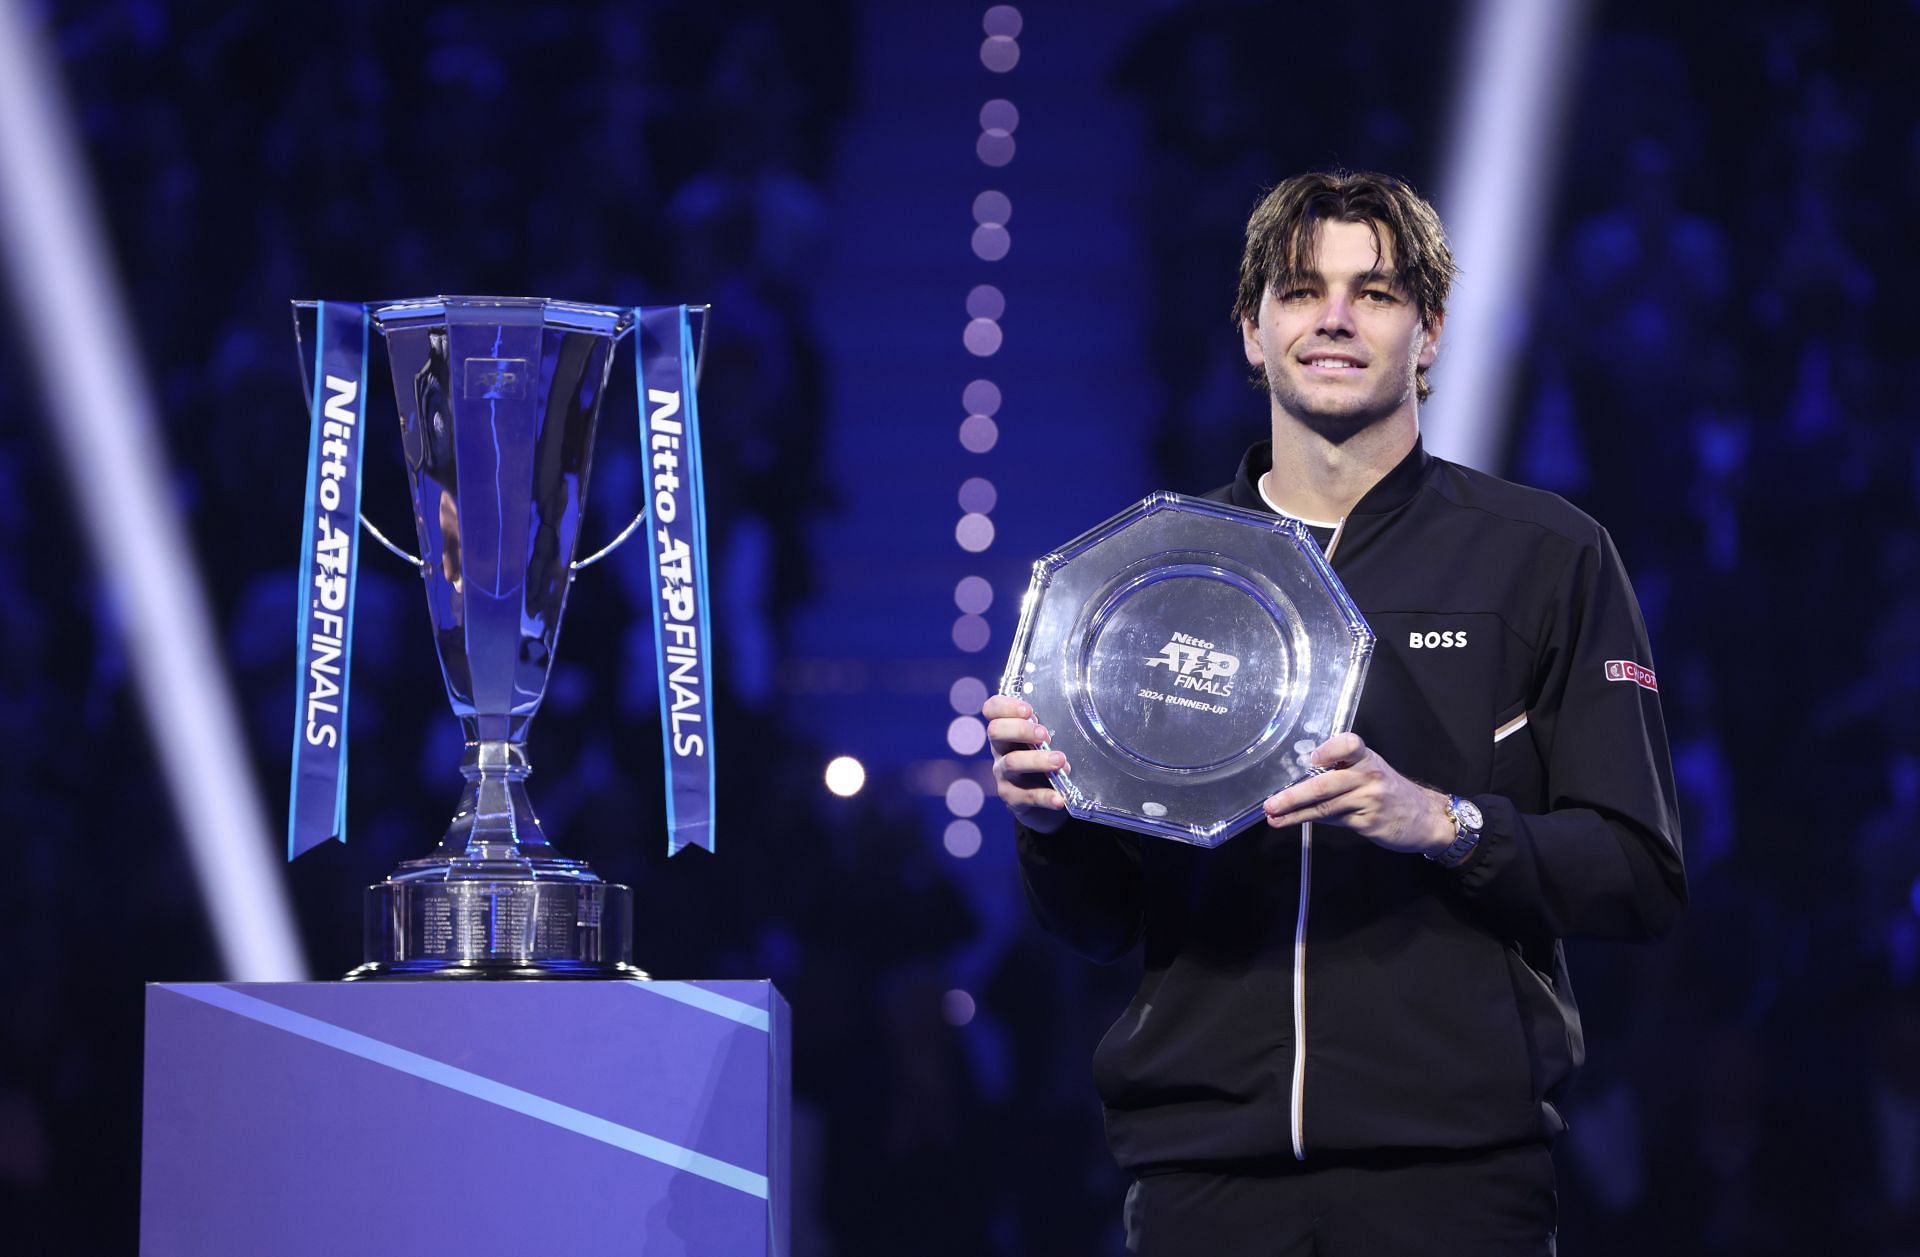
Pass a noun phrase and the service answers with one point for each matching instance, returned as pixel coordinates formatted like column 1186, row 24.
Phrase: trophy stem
column 495, row 823
column 495, row 899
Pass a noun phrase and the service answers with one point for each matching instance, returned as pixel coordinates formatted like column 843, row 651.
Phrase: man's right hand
column 1020, row 768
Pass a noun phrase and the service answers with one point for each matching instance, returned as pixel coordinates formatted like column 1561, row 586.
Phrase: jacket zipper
column 1299, row 1105
column 1300, row 997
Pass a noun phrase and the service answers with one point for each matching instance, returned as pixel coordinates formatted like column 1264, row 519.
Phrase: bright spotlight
column 845, row 776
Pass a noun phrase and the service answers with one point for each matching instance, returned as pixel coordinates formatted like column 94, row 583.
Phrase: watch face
column 1469, row 813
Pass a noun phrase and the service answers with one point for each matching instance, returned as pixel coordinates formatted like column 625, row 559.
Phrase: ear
column 1250, row 344
column 1431, row 348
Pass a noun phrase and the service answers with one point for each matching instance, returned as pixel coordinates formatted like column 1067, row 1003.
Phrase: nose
column 1336, row 315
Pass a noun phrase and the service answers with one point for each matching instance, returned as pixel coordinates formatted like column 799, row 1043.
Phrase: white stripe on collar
column 1277, row 509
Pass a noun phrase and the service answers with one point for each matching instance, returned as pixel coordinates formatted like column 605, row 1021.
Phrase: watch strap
column 1465, row 836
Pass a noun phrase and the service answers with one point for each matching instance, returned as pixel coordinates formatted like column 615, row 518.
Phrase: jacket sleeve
column 1083, row 882
column 1603, row 860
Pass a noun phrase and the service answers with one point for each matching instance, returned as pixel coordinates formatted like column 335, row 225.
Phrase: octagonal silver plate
column 1187, row 656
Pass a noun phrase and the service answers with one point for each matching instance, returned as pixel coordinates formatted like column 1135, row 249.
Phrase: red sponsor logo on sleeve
column 1627, row 670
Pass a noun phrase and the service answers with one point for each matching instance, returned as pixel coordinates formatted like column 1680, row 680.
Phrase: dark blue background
column 1718, row 364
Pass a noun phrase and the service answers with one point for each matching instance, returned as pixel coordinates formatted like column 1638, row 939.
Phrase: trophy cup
column 1187, row 656
column 498, row 401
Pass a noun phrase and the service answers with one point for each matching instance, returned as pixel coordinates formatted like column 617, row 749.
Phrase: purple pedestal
column 453, row 1117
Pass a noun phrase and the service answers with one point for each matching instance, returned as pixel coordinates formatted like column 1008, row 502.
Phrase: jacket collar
column 1388, row 494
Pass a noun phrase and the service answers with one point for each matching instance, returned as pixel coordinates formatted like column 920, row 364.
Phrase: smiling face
column 1340, row 344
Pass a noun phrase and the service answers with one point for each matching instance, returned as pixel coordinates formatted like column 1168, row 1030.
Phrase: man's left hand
column 1358, row 790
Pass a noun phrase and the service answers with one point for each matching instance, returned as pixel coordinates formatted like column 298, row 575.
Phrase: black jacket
column 1434, row 1003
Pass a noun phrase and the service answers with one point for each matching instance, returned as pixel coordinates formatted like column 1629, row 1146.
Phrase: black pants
column 1497, row 1204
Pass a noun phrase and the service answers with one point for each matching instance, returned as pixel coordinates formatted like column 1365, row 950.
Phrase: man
column 1354, row 1030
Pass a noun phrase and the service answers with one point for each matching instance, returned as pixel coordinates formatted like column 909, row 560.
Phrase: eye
column 1380, row 296
column 1297, row 294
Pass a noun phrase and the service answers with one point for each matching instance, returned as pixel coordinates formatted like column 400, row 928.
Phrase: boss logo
column 1452, row 638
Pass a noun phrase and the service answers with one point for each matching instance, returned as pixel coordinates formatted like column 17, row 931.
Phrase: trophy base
column 497, row 927
column 544, row 971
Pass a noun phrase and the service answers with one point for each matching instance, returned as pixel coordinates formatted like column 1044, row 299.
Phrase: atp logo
column 503, row 379
column 1196, row 665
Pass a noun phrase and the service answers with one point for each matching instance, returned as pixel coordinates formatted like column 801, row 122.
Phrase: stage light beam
column 1496, row 193
column 103, row 423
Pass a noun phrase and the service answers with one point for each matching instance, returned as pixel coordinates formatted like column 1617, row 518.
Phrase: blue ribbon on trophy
column 329, row 565
column 677, row 556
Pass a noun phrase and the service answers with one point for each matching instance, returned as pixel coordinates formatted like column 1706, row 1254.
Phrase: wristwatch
column 1467, row 822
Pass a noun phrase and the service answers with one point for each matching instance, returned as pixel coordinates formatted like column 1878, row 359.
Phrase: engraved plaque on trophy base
column 495, row 927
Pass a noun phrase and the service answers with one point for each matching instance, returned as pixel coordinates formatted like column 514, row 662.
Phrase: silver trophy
column 498, row 400
column 1187, row 657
